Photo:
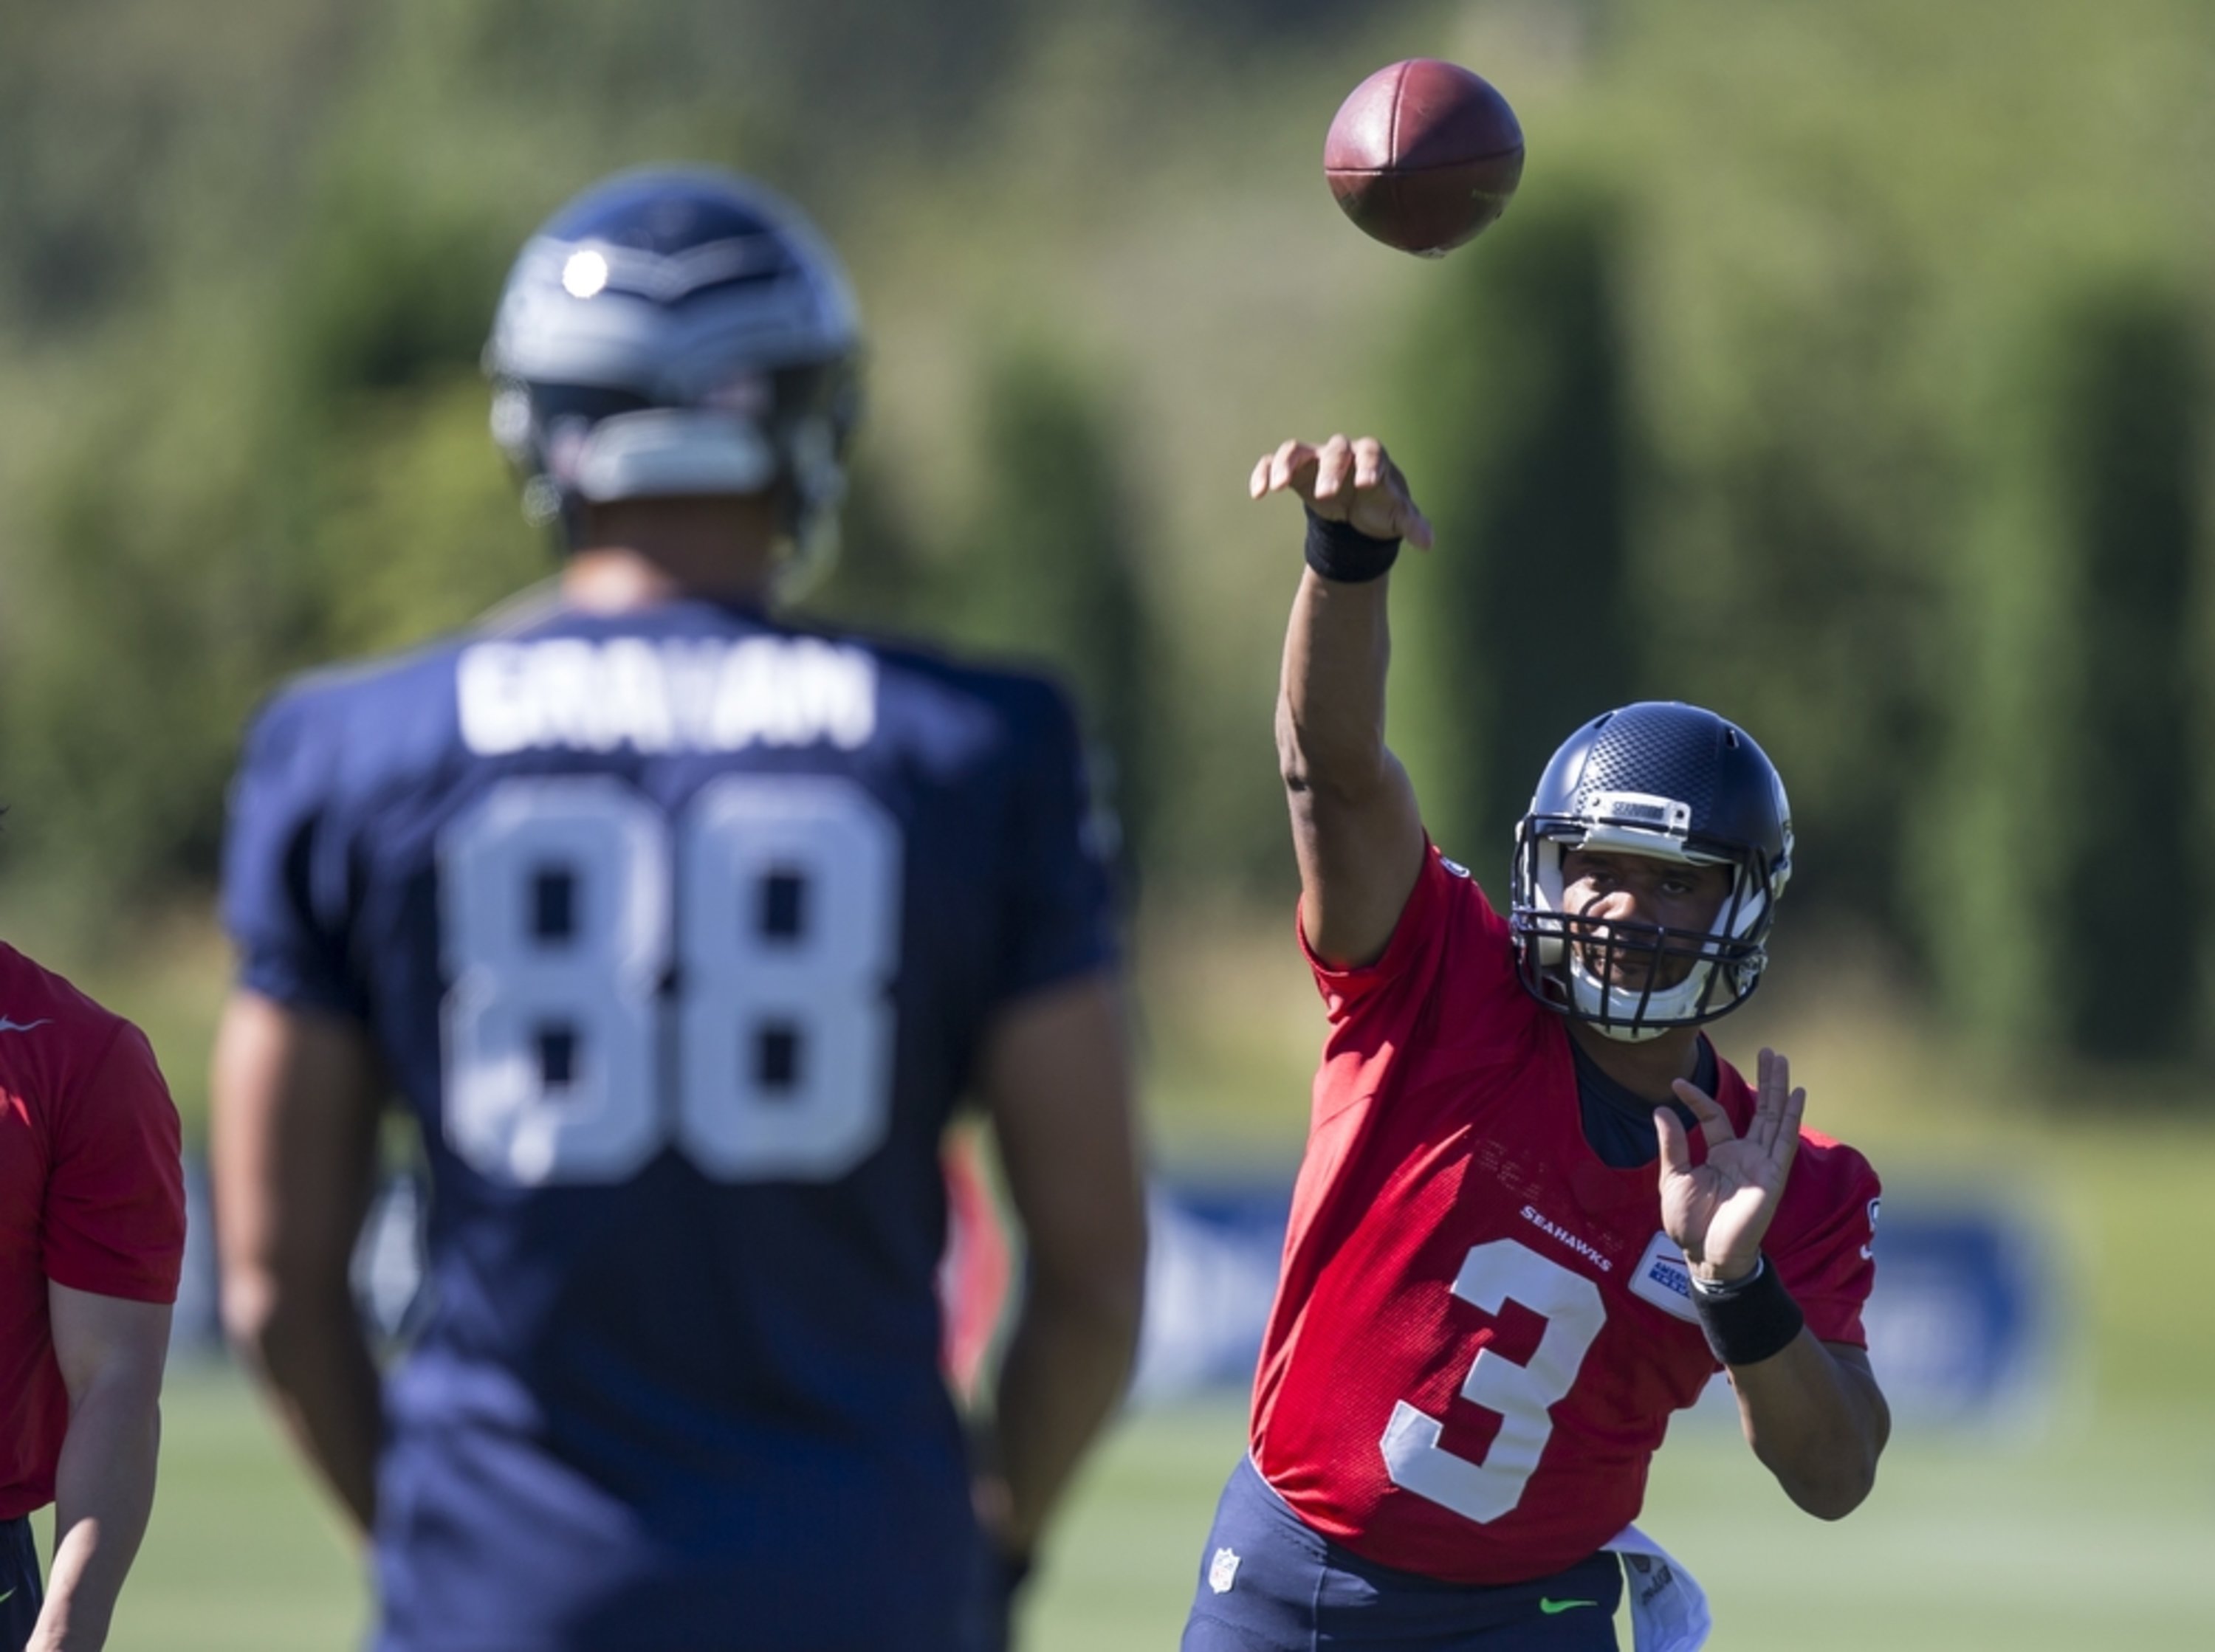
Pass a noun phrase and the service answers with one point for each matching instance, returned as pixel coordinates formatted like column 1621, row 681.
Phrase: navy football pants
column 19, row 1594
column 1290, row 1589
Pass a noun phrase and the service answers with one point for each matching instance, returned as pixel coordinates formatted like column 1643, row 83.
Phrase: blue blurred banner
column 1961, row 1324
column 195, row 1325
column 1211, row 1274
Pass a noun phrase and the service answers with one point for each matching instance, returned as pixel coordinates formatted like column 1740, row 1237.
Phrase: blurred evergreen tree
column 1519, row 449
column 379, row 478
column 2066, row 878
column 2128, row 471
column 118, row 708
column 1049, row 566
column 1804, row 508
column 881, row 578
column 269, row 479
column 253, row 245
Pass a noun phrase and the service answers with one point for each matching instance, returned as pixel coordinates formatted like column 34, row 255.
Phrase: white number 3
column 775, row 922
column 1524, row 1395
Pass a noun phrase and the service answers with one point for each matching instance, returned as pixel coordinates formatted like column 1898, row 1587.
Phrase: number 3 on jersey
column 566, row 904
column 1524, row 1395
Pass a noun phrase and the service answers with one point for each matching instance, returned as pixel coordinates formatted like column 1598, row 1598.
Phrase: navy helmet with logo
column 1677, row 783
column 677, row 331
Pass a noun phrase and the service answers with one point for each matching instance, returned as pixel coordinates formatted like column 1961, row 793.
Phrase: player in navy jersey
column 1538, row 1211
column 681, row 932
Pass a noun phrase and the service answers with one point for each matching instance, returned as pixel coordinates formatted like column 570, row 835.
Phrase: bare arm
column 1818, row 1422
column 111, row 1352
column 293, row 1150
column 1811, row 1411
column 1056, row 1077
column 1356, row 830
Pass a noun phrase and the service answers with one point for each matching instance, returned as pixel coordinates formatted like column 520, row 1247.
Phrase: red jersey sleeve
column 1411, row 960
column 115, row 1198
column 1824, row 1238
column 1450, row 963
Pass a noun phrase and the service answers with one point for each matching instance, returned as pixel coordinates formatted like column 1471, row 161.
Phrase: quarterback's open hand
column 1351, row 481
column 1717, row 1212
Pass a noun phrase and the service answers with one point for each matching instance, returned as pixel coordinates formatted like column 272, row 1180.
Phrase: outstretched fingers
column 1787, row 1138
column 1359, row 473
column 1778, row 1110
column 1676, row 1146
column 1715, row 1122
column 1408, row 521
column 1290, row 464
column 1336, row 466
column 1761, row 1129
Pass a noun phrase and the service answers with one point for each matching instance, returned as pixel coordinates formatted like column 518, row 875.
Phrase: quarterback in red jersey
column 92, row 1234
column 1538, row 1211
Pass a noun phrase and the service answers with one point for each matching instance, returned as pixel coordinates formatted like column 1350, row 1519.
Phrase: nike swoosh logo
column 6, row 1025
column 1550, row 1607
column 5, row 1598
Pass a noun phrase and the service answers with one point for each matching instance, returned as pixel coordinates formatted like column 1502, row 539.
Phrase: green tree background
column 1841, row 367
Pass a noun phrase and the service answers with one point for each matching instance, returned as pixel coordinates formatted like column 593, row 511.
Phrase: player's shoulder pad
column 33, row 988
column 1827, row 1171
column 322, row 714
column 1024, row 706
column 989, row 677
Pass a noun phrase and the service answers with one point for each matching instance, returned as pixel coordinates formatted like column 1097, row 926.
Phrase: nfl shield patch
column 1223, row 1570
column 1665, row 1279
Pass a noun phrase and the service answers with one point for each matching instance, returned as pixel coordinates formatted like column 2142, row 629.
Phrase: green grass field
column 2092, row 1533
column 2092, row 1536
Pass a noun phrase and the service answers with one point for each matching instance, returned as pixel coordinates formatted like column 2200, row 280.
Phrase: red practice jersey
column 92, row 1196
column 1480, row 1330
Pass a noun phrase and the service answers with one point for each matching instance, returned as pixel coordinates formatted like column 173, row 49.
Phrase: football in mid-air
column 1424, row 155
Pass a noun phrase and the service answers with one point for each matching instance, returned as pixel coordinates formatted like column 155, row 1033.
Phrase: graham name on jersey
column 666, row 695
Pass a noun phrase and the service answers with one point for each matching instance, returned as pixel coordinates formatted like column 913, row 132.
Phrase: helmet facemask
column 784, row 431
column 1573, row 962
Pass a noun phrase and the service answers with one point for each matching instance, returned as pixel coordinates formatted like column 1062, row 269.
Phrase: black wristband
column 1749, row 1319
column 1339, row 550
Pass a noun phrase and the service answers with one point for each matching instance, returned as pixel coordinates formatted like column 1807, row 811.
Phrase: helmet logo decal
column 1639, row 810
column 586, row 274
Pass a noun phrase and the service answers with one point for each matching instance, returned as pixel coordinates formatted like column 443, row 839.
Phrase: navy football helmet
column 1677, row 783
column 677, row 331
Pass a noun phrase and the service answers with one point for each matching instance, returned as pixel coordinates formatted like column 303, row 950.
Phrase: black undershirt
column 1619, row 1123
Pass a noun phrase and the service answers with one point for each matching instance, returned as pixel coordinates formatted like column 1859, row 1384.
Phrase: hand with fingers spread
column 1717, row 1212
column 1351, row 481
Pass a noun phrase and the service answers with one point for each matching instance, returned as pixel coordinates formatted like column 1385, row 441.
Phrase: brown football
column 1423, row 155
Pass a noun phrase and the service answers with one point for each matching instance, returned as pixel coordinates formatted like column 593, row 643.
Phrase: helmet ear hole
column 1549, row 888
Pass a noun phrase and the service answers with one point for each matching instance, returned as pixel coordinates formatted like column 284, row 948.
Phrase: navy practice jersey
column 679, row 931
